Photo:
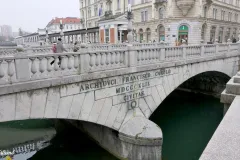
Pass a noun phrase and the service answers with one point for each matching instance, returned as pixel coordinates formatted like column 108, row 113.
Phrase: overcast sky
column 33, row 14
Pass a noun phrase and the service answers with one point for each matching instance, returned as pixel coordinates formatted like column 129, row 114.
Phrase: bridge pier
column 138, row 139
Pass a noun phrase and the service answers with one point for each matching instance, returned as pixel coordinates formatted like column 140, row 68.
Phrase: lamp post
column 61, row 28
column 47, row 35
column 130, row 28
column 86, row 35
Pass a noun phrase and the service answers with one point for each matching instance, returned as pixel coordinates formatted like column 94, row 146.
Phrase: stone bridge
column 115, row 88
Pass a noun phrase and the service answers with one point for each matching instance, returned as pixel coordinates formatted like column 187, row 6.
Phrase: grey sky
column 33, row 14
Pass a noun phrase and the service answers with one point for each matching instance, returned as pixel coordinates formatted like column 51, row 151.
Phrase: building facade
column 164, row 20
column 6, row 31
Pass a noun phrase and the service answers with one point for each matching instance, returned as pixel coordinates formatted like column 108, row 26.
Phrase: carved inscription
column 132, row 87
column 98, row 85
column 136, row 87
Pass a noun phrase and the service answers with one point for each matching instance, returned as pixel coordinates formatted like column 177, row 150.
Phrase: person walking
column 59, row 49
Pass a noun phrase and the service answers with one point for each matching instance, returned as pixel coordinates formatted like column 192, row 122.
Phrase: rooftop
column 66, row 20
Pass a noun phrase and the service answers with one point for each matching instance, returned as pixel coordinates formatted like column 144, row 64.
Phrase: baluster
column 56, row 66
column 142, row 54
column 75, row 61
column 41, row 65
column 117, row 57
column 49, row 66
column 112, row 57
column 150, row 54
column 153, row 54
column 97, row 59
column 108, row 57
column 91, row 60
column 147, row 54
column 10, row 67
column 103, row 59
column 169, row 53
column 33, row 66
column 1, row 70
column 122, row 54
column 138, row 55
column 63, row 62
column 157, row 53
column 69, row 64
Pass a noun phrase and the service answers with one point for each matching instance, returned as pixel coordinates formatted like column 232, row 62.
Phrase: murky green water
column 187, row 120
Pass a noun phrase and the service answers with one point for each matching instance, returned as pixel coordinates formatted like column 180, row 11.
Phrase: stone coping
column 62, row 80
column 224, row 145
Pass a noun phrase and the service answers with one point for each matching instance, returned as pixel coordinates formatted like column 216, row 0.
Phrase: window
column 229, row 16
column 148, row 35
column 237, row 3
column 205, row 12
column 236, row 17
column 222, row 15
column 82, row 14
column 82, row 3
column 214, row 13
column 142, row 16
column 140, row 35
column 89, row 12
column 95, row 11
column 146, row 15
column 118, row 4
column 106, row 35
column 161, row 13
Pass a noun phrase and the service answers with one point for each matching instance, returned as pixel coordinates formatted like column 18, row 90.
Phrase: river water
column 187, row 120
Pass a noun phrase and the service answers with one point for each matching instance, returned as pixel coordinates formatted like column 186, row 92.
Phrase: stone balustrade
column 31, row 66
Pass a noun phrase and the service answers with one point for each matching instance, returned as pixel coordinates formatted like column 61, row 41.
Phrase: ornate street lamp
column 47, row 35
column 130, row 28
column 61, row 28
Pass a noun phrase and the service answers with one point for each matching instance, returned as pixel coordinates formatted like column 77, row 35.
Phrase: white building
column 166, row 20
column 70, row 23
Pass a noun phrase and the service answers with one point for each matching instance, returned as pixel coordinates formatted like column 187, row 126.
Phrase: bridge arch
column 171, row 83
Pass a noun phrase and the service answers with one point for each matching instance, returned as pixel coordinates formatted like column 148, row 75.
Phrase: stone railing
column 8, row 51
column 149, row 45
column 30, row 67
column 150, row 55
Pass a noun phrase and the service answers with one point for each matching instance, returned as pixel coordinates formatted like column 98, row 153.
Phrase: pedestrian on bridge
column 59, row 49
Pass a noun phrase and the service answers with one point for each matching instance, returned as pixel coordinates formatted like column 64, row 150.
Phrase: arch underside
column 104, row 106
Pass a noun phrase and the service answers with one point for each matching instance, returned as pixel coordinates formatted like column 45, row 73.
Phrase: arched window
column 161, row 12
column 220, row 35
column 161, row 33
column 212, row 34
column 203, row 31
column 183, row 34
column 140, row 35
column 148, row 31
